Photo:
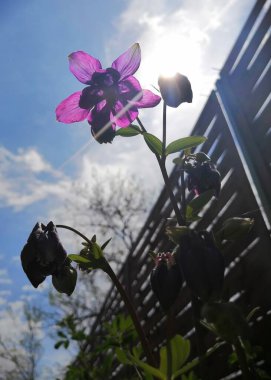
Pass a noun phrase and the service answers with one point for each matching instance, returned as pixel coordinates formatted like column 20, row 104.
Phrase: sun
column 171, row 54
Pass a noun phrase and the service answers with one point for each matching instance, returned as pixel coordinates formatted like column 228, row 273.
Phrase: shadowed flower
column 202, row 264
column 166, row 280
column 43, row 254
column 175, row 90
column 112, row 96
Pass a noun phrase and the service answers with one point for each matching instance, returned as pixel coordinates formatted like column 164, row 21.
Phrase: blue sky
column 39, row 157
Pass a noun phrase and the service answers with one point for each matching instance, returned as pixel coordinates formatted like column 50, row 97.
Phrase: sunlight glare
column 171, row 54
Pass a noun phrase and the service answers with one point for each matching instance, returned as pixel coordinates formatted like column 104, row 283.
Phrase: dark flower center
column 103, row 85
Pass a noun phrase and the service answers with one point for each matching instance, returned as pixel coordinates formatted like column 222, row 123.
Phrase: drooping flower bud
column 175, row 90
column 43, row 254
column 166, row 280
column 203, row 177
column 202, row 264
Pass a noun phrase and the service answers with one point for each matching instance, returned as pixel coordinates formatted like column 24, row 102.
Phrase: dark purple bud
column 175, row 90
column 203, row 177
column 166, row 280
column 202, row 264
column 43, row 253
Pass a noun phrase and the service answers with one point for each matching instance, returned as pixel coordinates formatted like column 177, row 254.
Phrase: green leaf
column 148, row 368
column 96, row 251
column 194, row 207
column 235, row 229
column 184, row 143
column 178, row 161
column 132, row 130
column 105, row 244
column 59, row 344
column 79, row 259
column 174, row 233
column 153, row 143
column 121, row 355
column 180, row 351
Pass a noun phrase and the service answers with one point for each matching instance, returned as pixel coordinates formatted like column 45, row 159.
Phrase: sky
column 41, row 158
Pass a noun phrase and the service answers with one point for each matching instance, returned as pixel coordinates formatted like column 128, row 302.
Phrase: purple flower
column 112, row 96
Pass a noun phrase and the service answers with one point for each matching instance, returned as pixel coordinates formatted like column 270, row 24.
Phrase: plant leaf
column 79, row 259
column 194, row 207
column 105, row 244
column 153, row 143
column 148, row 368
column 132, row 130
column 184, row 143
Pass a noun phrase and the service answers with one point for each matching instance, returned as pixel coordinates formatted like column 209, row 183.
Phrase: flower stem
column 75, row 231
column 169, row 348
column 164, row 141
column 241, row 355
column 161, row 162
column 126, row 300
column 131, row 309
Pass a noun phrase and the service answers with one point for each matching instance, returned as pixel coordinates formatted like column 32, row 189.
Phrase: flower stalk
column 124, row 296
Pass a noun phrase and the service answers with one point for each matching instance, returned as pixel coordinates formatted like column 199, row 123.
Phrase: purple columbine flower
column 112, row 96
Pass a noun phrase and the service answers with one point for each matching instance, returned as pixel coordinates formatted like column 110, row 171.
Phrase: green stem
column 141, row 125
column 169, row 348
column 183, row 193
column 131, row 309
column 164, row 141
column 163, row 169
column 242, row 359
column 199, row 331
column 170, row 192
column 126, row 300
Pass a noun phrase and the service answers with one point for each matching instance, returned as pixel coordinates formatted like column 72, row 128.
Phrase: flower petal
column 149, row 99
column 102, row 129
column 90, row 97
column 130, row 89
column 127, row 63
column 83, row 65
column 123, row 115
column 68, row 111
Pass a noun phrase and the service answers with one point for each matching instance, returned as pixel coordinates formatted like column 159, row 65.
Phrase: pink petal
column 149, row 99
column 130, row 88
column 123, row 115
column 83, row 65
column 127, row 63
column 68, row 111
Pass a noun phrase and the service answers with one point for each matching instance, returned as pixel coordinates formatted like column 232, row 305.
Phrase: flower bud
column 43, row 253
column 166, row 280
column 65, row 279
column 202, row 264
column 235, row 228
column 203, row 177
column 175, row 90
column 228, row 320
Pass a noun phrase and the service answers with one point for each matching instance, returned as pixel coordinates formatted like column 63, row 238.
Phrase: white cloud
column 4, row 277
column 26, row 177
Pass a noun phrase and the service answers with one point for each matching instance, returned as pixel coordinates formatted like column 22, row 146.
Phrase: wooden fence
column 237, row 121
